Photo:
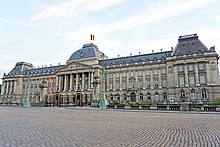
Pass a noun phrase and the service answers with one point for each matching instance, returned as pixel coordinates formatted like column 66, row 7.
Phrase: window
column 140, row 84
column 124, row 74
column 141, row 97
column 148, row 96
column 164, row 83
column 124, row 84
column 132, row 84
column 117, row 84
column 132, row 73
column 190, row 67
column 110, row 75
column 193, row 94
column 163, row 71
column 182, row 94
column 140, row 73
column 125, row 97
column 111, row 86
column 181, row 81
column 191, row 80
column 156, row 83
column 155, row 71
column 117, row 75
column 202, row 79
column 147, row 72
column 204, row 94
column 201, row 66
column 111, row 97
column 164, row 95
column 180, row 68
column 117, row 97
column 147, row 83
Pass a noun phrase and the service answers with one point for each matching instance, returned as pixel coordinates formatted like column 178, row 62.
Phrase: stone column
column 159, row 79
column 83, row 81
column 89, row 82
column 120, row 76
column 136, row 78
column 207, row 73
column 197, row 74
column 114, row 81
column 7, row 85
column 128, row 76
column 144, row 79
column 186, row 76
column 108, row 82
column 60, row 84
column 77, row 78
column 151, row 79
column 66, row 83
column 71, row 82
column 92, row 79
column 57, row 83
column 15, row 86
column 176, row 76
column 3, row 88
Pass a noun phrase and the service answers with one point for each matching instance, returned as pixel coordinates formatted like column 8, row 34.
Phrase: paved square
column 62, row 127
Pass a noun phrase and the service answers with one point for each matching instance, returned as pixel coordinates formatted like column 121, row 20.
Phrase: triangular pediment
column 74, row 66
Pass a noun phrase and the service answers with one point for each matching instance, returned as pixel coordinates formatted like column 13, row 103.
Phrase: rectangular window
column 147, row 83
column 110, row 86
column 124, row 84
column 180, row 69
column 124, row 74
column 190, row 67
column 117, row 75
column 117, row 85
column 140, row 73
column 163, row 71
column 140, row 84
column 202, row 79
column 155, row 71
column 201, row 66
column 164, row 83
column 156, row 83
column 147, row 72
column 181, row 81
column 132, row 73
column 191, row 81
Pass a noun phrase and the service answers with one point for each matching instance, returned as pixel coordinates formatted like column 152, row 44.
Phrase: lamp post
column 26, row 101
column 103, row 98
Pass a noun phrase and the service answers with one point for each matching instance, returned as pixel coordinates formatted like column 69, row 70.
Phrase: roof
column 50, row 69
column 137, row 58
column 189, row 44
column 87, row 51
column 20, row 68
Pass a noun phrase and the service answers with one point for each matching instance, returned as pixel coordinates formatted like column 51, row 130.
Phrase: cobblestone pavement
column 61, row 127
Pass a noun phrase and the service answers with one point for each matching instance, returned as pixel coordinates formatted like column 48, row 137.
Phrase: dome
column 87, row 51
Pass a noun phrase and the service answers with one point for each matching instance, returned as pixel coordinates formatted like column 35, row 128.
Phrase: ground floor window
column 193, row 94
column 164, row 95
column 141, row 97
column 204, row 94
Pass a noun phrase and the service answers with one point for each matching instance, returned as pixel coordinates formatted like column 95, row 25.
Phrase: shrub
column 215, row 102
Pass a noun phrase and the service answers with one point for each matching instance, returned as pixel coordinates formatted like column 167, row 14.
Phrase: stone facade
column 189, row 72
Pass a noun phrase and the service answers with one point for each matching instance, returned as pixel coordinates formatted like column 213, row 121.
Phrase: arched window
column 182, row 94
column 204, row 94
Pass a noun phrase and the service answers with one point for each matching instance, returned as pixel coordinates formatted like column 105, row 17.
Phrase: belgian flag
column 92, row 37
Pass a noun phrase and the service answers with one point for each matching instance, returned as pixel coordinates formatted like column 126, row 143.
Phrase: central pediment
column 74, row 66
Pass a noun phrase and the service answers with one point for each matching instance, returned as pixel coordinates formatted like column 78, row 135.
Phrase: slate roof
column 138, row 58
column 87, row 51
column 189, row 44
column 20, row 68
column 42, row 70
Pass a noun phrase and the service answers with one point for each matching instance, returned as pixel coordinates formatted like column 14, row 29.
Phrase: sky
column 44, row 32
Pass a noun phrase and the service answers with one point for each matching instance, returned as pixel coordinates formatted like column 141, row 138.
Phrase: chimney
column 50, row 65
column 171, row 48
column 130, row 54
column 118, row 56
column 139, row 53
column 161, row 50
column 152, row 51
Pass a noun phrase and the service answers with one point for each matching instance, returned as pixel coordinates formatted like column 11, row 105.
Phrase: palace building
column 187, row 73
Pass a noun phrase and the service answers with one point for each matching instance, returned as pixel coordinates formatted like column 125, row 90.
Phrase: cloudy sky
column 45, row 32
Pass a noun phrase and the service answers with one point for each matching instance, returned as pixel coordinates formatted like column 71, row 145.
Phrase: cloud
column 216, row 17
column 73, row 8
column 18, row 23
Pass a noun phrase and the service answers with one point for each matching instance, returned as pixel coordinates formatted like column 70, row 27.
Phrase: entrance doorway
column 56, row 101
column 133, row 97
column 78, row 100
